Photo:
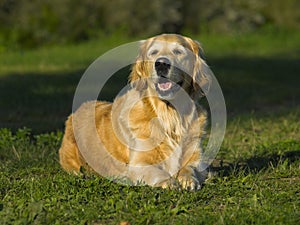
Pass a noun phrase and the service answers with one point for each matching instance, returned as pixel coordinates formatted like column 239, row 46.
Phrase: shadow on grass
column 37, row 101
column 255, row 164
column 42, row 102
column 258, row 84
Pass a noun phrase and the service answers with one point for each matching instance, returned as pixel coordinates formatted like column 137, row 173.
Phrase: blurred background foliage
column 33, row 23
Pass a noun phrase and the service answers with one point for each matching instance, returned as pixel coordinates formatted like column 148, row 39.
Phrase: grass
column 255, row 175
column 260, row 186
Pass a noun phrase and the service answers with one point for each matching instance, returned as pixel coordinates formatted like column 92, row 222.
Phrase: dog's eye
column 177, row 51
column 153, row 52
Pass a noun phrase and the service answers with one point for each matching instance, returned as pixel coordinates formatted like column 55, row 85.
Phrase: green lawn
column 255, row 177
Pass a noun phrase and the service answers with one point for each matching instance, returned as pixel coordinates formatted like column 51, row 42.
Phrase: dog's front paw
column 189, row 183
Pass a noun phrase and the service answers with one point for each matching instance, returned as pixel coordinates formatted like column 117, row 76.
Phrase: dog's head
column 168, row 63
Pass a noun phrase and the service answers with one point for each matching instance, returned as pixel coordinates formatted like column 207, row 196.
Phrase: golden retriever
column 151, row 134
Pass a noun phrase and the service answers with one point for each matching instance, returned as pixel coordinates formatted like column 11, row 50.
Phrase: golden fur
column 145, row 135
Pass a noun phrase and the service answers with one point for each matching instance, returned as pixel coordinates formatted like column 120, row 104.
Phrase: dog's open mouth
column 167, row 88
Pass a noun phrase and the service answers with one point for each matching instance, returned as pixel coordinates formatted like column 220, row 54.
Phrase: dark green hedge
column 30, row 23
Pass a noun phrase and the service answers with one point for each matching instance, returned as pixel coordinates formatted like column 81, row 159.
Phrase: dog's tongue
column 165, row 86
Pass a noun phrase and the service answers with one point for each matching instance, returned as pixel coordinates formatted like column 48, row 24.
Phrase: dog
column 152, row 133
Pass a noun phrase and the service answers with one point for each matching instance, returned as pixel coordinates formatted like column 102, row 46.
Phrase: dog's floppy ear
column 201, row 72
column 137, row 78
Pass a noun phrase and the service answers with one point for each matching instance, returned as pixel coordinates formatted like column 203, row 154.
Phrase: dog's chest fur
column 162, row 127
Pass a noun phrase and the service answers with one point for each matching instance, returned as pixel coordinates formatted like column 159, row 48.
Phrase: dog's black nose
column 162, row 66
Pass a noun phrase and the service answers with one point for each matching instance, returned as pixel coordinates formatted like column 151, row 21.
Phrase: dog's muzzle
column 162, row 66
column 166, row 84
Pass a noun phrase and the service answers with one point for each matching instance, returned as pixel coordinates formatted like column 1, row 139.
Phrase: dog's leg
column 187, row 175
column 69, row 155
